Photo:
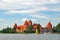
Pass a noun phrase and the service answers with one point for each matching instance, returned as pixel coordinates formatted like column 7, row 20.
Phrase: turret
column 15, row 26
column 26, row 22
column 49, row 27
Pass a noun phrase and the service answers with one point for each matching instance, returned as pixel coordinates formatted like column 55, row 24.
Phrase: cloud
column 19, row 1
column 54, row 1
column 39, row 16
column 13, row 4
column 55, row 9
column 24, row 19
column 20, row 12
column 26, row 11
column 31, row 1
column 30, row 5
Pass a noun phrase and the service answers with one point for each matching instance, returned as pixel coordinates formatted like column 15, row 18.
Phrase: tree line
column 56, row 28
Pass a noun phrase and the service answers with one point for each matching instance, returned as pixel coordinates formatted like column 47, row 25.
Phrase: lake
column 29, row 36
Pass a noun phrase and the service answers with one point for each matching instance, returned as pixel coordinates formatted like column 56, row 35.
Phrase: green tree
column 54, row 29
column 58, row 27
column 30, row 29
column 8, row 30
column 38, row 27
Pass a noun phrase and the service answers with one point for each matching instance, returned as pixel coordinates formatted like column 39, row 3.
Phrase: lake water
column 29, row 36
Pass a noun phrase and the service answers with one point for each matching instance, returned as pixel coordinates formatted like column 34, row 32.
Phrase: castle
column 26, row 24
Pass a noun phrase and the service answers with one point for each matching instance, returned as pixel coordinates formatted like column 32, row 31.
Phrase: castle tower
column 26, row 22
column 30, row 22
column 49, row 27
column 15, row 26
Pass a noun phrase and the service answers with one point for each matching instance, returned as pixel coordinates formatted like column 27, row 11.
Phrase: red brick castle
column 26, row 24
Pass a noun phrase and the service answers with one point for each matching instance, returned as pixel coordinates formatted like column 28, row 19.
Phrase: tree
column 38, row 27
column 54, row 29
column 8, row 30
column 30, row 27
column 58, row 27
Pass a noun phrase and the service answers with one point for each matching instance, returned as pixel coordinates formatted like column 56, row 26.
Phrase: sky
column 39, row 11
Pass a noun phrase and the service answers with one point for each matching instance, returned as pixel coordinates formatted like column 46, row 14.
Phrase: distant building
column 26, row 24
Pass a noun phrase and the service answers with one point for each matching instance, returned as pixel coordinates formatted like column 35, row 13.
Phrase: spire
column 49, row 24
column 26, row 22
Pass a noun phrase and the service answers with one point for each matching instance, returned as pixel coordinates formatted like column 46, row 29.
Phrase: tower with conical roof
column 49, row 27
column 26, row 22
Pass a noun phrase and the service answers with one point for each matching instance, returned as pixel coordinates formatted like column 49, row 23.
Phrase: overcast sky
column 39, row 11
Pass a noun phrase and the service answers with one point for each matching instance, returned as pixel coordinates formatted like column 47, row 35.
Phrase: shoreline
column 30, row 33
